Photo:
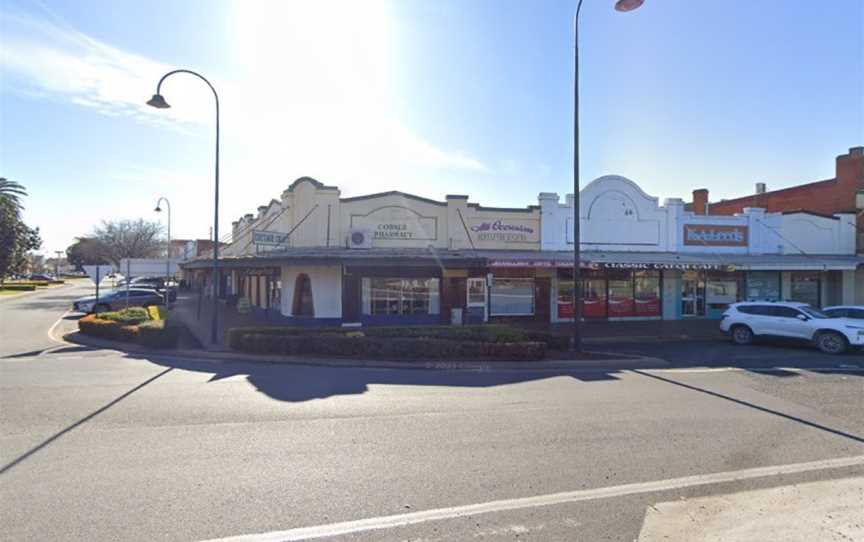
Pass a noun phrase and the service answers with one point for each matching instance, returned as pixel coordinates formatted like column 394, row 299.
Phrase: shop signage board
column 504, row 231
column 712, row 235
column 269, row 238
column 396, row 223
column 584, row 264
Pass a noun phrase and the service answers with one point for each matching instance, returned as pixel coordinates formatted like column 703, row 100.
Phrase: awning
column 672, row 260
column 536, row 259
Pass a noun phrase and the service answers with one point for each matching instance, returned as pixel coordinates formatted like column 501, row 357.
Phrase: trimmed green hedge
column 150, row 333
column 131, row 316
column 475, row 333
column 19, row 287
column 401, row 348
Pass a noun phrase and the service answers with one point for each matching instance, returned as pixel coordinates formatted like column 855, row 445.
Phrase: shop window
column 763, row 285
column 303, row 302
column 647, row 293
column 805, row 288
column 512, row 297
column 719, row 294
column 621, row 301
column 398, row 296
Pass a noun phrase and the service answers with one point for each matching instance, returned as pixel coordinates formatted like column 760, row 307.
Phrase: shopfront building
column 314, row 258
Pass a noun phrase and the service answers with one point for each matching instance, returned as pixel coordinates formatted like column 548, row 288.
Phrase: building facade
column 313, row 257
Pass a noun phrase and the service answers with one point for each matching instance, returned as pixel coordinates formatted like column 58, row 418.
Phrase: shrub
column 19, row 287
column 129, row 316
column 151, row 333
column 401, row 348
column 107, row 329
column 158, row 334
column 475, row 333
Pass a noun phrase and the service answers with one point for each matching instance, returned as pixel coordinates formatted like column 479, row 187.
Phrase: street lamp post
column 576, row 340
column 158, row 101
column 158, row 209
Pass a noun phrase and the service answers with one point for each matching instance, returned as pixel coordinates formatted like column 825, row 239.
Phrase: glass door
column 476, row 302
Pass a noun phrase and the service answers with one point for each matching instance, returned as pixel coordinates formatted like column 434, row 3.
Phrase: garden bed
column 145, row 326
column 488, row 342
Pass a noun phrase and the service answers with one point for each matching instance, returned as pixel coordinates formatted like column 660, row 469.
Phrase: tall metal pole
column 576, row 342
column 159, row 102
column 168, row 252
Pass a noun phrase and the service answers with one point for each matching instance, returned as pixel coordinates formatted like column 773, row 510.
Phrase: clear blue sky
column 450, row 96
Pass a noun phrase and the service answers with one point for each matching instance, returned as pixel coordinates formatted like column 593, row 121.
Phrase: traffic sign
column 98, row 272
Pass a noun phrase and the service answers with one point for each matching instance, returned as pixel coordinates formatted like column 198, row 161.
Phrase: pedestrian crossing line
column 413, row 518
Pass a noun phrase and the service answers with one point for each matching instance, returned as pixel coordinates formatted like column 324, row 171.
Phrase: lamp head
column 158, row 101
column 158, row 209
column 627, row 5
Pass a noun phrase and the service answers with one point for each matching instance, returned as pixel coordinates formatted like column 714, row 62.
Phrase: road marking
column 839, row 368
column 412, row 518
column 51, row 329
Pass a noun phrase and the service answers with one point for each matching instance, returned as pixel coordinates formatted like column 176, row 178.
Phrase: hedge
column 130, row 316
column 107, row 329
column 402, row 348
column 18, row 287
column 483, row 334
column 151, row 333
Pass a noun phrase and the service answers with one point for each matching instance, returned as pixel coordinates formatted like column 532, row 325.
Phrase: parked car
column 39, row 276
column 116, row 299
column 855, row 312
column 151, row 283
column 744, row 321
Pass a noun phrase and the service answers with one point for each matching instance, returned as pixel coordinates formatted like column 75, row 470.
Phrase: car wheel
column 741, row 334
column 831, row 342
column 101, row 307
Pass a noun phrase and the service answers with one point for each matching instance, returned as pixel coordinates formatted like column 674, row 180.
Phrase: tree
column 86, row 251
column 128, row 239
column 11, row 192
column 16, row 238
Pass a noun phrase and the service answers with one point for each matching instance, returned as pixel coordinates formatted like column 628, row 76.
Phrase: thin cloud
column 47, row 59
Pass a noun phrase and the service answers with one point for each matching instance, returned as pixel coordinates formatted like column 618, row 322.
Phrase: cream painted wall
column 326, row 289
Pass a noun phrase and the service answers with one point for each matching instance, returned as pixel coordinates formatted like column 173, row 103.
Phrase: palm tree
column 10, row 192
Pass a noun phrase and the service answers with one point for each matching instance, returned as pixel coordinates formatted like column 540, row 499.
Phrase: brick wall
column 830, row 196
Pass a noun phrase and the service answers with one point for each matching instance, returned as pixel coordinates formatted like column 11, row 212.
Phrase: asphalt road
column 98, row 445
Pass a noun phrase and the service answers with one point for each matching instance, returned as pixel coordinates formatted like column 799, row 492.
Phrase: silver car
column 117, row 299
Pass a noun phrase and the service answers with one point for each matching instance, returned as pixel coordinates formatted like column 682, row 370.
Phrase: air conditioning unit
column 359, row 238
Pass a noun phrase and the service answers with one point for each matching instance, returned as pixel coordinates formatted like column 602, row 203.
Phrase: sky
column 432, row 98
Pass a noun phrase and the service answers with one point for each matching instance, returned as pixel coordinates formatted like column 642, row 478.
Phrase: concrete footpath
column 824, row 510
column 604, row 361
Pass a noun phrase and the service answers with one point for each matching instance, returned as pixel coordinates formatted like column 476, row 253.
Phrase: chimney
column 700, row 201
column 850, row 170
column 761, row 188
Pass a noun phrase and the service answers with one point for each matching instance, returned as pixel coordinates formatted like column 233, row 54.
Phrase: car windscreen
column 814, row 313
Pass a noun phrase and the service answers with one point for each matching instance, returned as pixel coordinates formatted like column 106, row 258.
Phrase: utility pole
column 57, row 263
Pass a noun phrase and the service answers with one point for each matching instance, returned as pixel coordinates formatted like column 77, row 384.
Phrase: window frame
column 496, row 281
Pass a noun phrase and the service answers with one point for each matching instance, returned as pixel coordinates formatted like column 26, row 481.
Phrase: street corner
column 804, row 512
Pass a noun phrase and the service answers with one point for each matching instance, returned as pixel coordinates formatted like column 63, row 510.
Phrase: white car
column 743, row 321
column 855, row 312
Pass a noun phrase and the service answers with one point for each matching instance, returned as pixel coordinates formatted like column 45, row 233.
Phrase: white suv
column 743, row 321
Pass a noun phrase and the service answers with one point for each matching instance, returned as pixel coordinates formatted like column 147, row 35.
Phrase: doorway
column 303, row 305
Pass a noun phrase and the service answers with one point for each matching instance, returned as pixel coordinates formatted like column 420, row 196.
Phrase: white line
column 839, row 368
column 51, row 330
column 402, row 520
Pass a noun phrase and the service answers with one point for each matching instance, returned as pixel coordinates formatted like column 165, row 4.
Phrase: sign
column 396, row 223
column 680, row 266
column 504, row 230
column 710, row 235
column 271, row 238
column 97, row 272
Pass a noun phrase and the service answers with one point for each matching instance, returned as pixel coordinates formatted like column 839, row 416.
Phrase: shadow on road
column 15, row 462
column 296, row 383
column 754, row 406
